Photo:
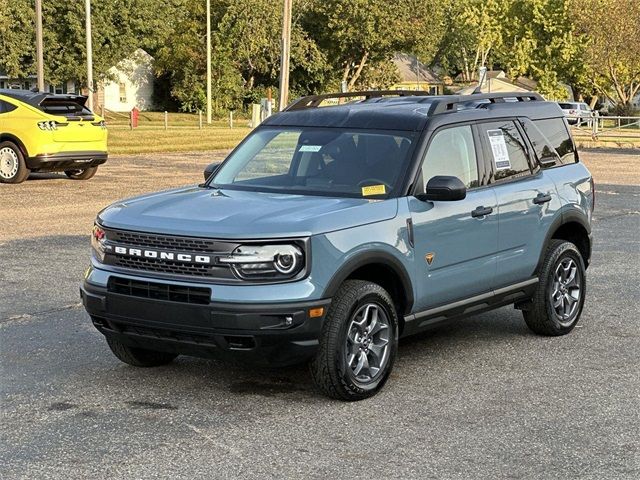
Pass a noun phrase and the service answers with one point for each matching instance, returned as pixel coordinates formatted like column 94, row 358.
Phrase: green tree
column 475, row 32
column 612, row 32
column 17, row 37
column 540, row 42
column 357, row 34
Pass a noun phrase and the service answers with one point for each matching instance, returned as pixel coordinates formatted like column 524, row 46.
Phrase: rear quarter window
column 556, row 132
column 6, row 107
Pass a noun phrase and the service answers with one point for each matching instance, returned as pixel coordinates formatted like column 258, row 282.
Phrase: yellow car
column 44, row 132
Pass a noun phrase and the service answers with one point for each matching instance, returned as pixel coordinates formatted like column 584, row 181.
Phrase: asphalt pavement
column 481, row 398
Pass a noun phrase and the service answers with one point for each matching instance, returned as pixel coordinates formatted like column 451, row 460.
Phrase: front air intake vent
column 159, row 291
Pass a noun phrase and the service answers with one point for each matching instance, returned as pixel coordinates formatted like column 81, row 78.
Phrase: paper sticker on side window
column 310, row 148
column 499, row 149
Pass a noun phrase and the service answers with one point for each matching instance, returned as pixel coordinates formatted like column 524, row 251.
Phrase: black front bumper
column 57, row 162
column 263, row 334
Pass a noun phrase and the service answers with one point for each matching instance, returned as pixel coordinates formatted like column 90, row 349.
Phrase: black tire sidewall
column 81, row 174
column 344, row 372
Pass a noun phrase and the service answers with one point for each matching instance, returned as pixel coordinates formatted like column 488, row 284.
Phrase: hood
column 233, row 214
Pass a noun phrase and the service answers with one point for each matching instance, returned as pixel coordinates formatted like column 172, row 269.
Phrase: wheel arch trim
column 565, row 216
column 369, row 258
column 8, row 137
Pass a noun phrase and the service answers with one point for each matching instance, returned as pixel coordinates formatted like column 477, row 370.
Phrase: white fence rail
column 597, row 126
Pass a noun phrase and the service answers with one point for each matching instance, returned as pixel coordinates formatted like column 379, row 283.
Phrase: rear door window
column 505, row 150
column 544, row 151
column 556, row 132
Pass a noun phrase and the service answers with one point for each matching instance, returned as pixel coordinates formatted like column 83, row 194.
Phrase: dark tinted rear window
column 568, row 106
column 6, row 107
column 556, row 132
column 65, row 108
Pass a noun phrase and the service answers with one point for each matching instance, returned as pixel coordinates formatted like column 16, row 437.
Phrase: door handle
column 542, row 198
column 481, row 212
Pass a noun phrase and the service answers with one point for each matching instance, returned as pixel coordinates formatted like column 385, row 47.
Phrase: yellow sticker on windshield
column 373, row 190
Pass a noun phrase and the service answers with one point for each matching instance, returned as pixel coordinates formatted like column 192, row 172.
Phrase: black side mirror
column 211, row 169
column 444, row 189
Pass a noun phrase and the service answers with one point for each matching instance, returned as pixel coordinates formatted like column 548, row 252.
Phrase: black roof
column 410, row 111
column 35, row 98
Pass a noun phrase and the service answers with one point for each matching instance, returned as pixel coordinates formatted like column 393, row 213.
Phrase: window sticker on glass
column 310, row 148
column 373, row 190
column 499, row 149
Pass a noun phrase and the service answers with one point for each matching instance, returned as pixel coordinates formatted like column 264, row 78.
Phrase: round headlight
column 286, row 263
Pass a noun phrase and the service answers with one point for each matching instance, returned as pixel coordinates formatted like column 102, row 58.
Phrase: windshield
column 314, row 161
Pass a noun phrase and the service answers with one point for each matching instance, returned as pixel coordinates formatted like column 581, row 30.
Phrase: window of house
column 452, row 153
column 506, row 150
column 123, row 92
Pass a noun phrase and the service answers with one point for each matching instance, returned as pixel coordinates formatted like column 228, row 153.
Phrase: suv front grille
column 159, row 291
column 188, row 245
column 167, row 242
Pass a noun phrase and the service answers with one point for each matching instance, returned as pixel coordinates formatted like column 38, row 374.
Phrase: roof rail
column 450, row 103
column 314, row 101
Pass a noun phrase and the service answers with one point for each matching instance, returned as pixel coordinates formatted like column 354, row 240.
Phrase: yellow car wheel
column 13, row 168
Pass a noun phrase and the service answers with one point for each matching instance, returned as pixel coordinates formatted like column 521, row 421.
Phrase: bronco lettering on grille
column 161, row 255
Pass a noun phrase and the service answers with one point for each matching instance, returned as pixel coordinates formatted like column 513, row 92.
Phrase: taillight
column 48, row 125
column 593, row 195
column 572, row 112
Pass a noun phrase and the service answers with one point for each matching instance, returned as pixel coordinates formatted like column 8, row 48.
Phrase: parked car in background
column 577, row 113
column 44, row 132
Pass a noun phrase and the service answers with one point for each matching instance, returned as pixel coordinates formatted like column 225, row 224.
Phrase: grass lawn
column 175, row 139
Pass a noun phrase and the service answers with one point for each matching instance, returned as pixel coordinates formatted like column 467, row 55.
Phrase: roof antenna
column 482, row 74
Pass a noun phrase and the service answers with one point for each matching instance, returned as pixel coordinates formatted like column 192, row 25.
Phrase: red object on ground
column 135, row 113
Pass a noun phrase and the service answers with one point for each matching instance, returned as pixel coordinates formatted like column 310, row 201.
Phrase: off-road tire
column 330, row 372
column 139, row 357
column 541, row 316
column 22, row 172
column 84, row 174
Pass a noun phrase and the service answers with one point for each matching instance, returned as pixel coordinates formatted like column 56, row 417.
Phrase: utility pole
column 208, row 61
column 283, row 98
column 87, row 4
column 39, row 54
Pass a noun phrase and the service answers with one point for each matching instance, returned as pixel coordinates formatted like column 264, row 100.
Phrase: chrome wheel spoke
column 571, row 281
column 367, row 343
column 363, row 364
column 565, row 290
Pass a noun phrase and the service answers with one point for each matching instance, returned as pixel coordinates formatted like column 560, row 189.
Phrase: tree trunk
column 356, row 75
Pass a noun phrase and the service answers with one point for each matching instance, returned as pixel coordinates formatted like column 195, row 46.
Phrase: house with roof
column 415, row 75
column 130, row 85
column 496, row 81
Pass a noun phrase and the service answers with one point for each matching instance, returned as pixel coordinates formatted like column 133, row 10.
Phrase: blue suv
column 333, row 230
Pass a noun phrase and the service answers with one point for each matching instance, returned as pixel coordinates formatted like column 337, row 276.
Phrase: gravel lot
column 482, row 398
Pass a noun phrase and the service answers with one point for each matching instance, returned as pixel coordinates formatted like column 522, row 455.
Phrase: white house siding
column 135, row 76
